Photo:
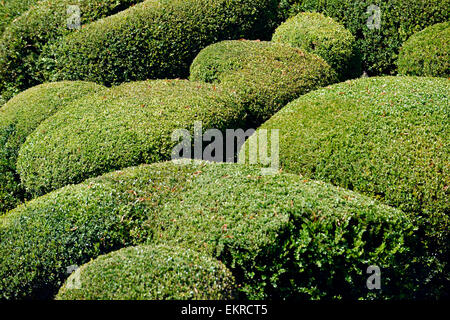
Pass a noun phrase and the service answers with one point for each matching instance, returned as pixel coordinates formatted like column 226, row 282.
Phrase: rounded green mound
column 129, row 125
column 25, row 38
column 281, row 236
column 315, row 33
column 383, row 137
column 10, row 9
column 19, row 117
column 427, row 53
column 150, row 273
column 147, row 42
column 265, row 75
column 379, row 30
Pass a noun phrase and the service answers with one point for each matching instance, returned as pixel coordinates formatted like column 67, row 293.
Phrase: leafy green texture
column 19, row 117
column 264, row 75
column 10, row 9
column 427, row 53
column 24, row 39
column 129, row 125
column 282, row 236
column 399, row 20
column 156, row 39
column 383, row 137
column 315, row 33
column 150, row 273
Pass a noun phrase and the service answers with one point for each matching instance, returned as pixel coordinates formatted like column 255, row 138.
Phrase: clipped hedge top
column 399, row 20
column 383, row 137
column 265, row 75
column 150, row 273
column 25, row 38
column 315, row 33
column 9, row 9
column 386, row 137
column 427, row 53
column 129, row 125
column 155, row 39
column 264, row 228
column 21, row 116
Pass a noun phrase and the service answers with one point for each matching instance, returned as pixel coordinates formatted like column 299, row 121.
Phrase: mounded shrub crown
column 150, row 273
column 379, row 44
column 315, row 33
column 264, row 75
column 156, row 39
column 19, row 117
column 383, row 137
column 427, row 53
column 282, row 236
column 10, row 9
column 25, row 38
column 128, row 125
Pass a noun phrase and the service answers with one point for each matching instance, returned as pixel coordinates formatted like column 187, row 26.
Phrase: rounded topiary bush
column 129, row 125
column 379, row 33
column 282, row 236
column 19, row 117
column 264, row 75
column 10, row 9
column 383, row 137
column 150, row 273
column 427, row 53
column 147, row 42
column 315, row 33
column 24, row 39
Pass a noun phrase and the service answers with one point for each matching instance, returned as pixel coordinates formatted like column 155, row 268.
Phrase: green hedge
column 129, row 125
column 315, row 33
column 156, row 39
column 26, row 37
column 265, row 75
column 399, row 20
column 282, row 236
column 150, row 273
column 427, row 53
column 19, row 118
column 383, row 137
column 10, row 9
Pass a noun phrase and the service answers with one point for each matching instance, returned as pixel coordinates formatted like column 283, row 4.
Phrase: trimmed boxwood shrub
column 150, row 273
column 265, row 75
column 379, row 47
column 383, row 137
column 427, row 53
column 129, row 125
column 282, row 236
column 315, row 33
column 156, row 39
column 10, row 9
column 25, row 38
column 21, row 116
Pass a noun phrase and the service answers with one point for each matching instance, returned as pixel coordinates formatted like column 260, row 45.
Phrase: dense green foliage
column 383, row 137
column 156, row 39
column 24, row 39
column 129, row 125
column 264, row 75
column 10, row 9
column 315, row 33
column 427, row 53
column 399, row 20
column 150, row 273
column 19, row 117
column 282, row 236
